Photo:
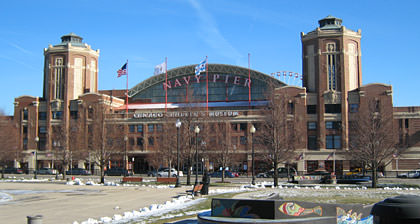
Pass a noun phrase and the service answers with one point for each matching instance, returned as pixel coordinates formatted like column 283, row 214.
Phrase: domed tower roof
column 330, row 22
column 72, row 38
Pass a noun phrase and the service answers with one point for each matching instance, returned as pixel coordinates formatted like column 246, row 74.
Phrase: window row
column 331, row 142
column 330, row 125
column 332, row 108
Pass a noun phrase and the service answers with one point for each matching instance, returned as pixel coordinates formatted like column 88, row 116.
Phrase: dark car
column 13, row 170
column 118, row 172
column 283, row 172
column 353, row 179
column 48, row 171
column 219, row 174
column 77, row 171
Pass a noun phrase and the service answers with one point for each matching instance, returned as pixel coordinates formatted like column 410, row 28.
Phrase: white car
column 165, row 173
column 410, row 174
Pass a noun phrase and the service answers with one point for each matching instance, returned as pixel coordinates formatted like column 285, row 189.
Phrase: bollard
column 34, row 219
column 400, row 209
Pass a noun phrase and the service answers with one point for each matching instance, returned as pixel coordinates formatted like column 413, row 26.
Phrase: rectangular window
column 406, row 123
column 377, row 106
column 140, row 141
column 243, row 140
column 290, row 108
column 140, row 128
column 159, row 128
column 42, row 116
column 42, row 129
column 333, row 108
column 151, row 141
column 150, row 127
column 354, row 107
column 333, row 125
column 242, row 126
column 25, row 114
column 311, row 109
column 25, row 130
column 132, row 128
column 57, row 115
column 333, row 141
column 25, row 143
column 329, row 141
column 312, row 142
column 73, row 114
column 311, row 125
column 131, row 141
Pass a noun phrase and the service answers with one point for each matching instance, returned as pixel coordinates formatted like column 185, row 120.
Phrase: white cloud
column 210, row 33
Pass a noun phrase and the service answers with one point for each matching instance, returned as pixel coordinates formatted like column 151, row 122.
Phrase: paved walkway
column 60, row 203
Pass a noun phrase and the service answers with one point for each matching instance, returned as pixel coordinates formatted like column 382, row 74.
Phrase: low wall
column 301, row 212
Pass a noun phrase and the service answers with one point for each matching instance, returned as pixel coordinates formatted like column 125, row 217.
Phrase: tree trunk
column 374, row 176
column 223, row 175
column 102, row 174
column 276, row 174
column 64, row 170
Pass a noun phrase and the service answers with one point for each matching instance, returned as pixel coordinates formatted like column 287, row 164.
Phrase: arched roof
column 212, row 68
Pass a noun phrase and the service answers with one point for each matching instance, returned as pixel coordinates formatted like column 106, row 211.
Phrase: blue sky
column 185, row 31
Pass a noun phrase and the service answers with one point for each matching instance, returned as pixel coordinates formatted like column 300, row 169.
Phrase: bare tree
column 276, row 134
column 221, row 152
column 166, row 143
column 60, row 146
column 8, row 139
column 371, row 137
column 105, row 139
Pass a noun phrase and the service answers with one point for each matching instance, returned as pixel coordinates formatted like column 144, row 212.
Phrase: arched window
column 331, row 66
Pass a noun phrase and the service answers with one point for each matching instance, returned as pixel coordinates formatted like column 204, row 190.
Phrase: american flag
column 123, row 70
column 330, row 155
column 201, row 67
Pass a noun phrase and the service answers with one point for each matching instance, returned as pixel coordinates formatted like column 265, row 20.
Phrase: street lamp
column 177, row 125
column 36, row 157
column 196, row 130
column 125, row 155
column 252, row 130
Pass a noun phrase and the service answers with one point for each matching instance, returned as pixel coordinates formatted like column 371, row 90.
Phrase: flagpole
column 249, row 80
column 166, row 82
column 207, row 86
column 126, row 93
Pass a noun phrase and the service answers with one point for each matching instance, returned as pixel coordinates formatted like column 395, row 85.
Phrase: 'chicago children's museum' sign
column 186, row 114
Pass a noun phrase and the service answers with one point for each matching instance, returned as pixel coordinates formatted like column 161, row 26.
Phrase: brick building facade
column 321, row 109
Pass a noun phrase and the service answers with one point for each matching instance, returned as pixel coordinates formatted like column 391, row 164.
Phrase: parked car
column 165, row 173
column 46, row 170
column 118, row 172
column 282, row 173
column 219, row 174
column 77, row 171
column 353, row 179
column 154, row 173
column 13, row 170
column 410, row 174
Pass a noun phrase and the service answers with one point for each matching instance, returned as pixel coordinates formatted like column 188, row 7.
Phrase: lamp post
column 177, row 125
column 196, row 130
column 125, row 155
column 252, row 130
column 36, row 157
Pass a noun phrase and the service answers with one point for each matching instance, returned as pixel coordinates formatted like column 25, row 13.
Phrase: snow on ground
column 175, row 207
